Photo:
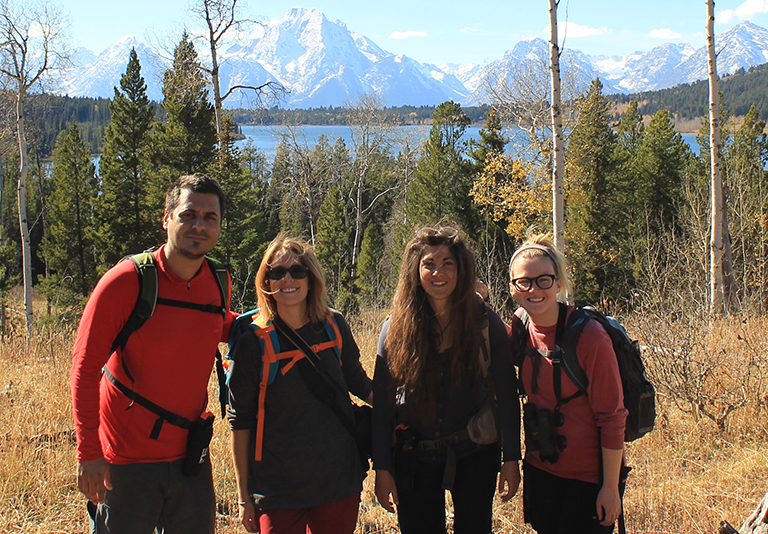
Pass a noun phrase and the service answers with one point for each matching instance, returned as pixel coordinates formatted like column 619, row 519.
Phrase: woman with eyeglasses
column 296, row 465
column 574, row 442
column 431, row 387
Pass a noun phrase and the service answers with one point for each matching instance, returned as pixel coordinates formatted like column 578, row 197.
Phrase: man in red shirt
column 129, row 460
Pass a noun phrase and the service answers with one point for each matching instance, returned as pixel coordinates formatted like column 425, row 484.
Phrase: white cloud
column 407, row 34
column 664, row 33
column 574, row 31
column 750, row 8
column 470, row 29
column 725, row 16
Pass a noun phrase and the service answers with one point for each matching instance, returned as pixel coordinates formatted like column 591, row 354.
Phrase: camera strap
column 318, row 382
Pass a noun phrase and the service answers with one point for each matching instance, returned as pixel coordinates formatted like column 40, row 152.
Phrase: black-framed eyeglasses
column 544, row 281
column 297, row 272
column 449, row 232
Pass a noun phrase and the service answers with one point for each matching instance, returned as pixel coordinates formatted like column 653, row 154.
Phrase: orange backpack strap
column 270, row 358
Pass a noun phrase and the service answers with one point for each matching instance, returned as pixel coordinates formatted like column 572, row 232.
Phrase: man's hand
column 509, row 478
column 93, row 479
column 384, row 487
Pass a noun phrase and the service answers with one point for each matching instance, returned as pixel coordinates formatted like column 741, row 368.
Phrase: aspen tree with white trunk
column 718, row 227
column 32, row 44
column 558, row 149
column 223, row 23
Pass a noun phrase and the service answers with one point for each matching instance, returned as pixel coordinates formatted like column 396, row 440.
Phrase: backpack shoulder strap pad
column 576, row 323
column 144, row 263
column 221, row 275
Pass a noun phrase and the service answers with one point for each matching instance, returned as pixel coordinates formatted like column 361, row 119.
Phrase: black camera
column 541, row 432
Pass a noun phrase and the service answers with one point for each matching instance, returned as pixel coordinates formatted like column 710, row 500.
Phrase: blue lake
column 266, row 138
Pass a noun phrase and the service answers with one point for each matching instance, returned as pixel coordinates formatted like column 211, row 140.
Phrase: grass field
column 689, row 474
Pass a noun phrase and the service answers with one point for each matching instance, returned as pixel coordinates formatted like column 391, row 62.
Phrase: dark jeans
column 556, row 505
column 149, row 496
column 422, row 511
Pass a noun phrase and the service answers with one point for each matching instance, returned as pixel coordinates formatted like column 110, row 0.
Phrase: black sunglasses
column 297, row 272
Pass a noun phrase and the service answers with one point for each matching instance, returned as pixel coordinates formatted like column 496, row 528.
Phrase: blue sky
column 449, row 31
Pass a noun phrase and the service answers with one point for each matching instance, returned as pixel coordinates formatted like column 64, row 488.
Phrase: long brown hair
column 317, row 298
column 413, row 338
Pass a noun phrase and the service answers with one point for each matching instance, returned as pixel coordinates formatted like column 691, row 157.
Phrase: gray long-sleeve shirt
column 309, row 457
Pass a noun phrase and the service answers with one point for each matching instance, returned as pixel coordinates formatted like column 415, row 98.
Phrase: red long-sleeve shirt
column 592, row 420
column 170, row 357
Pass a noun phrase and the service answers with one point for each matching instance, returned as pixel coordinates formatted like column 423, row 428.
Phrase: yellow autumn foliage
column 514, row 192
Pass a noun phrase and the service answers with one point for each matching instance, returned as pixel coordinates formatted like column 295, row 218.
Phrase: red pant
column 338, row 517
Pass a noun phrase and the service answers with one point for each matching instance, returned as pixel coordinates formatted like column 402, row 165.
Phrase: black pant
column 422, row 510
column 556, row 505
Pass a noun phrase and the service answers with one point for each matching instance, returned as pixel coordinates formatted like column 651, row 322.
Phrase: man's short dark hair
column 196, row 183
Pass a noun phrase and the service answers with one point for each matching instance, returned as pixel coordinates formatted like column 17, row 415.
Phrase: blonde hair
column 317, row 298
column 541, row 246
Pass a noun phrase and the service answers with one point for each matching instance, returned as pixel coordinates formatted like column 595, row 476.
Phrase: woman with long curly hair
column 296, row 464
column 431, row 388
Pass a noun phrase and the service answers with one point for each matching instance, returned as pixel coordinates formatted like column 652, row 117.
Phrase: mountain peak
column 323, row 63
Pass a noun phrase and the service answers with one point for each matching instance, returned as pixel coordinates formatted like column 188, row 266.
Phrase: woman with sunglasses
column 429, row 384
column 296, row 465
column 574, row 442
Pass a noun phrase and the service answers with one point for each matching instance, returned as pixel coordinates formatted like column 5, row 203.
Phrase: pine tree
column 661, row 161
column 68, row 245
column 128, row 212
column 593, row 210
column 441, row 185
column 187, row 141
column 242, row 229
column 744, row 166
column 491, row 140
column 332, row 246
column 372, row 284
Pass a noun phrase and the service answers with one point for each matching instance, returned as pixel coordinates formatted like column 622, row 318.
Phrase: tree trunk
column 22, row 199
column 217, row 104
column 716, row 285
column 558, row 156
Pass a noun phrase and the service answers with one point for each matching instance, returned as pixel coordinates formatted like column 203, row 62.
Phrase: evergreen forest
column 637, row 197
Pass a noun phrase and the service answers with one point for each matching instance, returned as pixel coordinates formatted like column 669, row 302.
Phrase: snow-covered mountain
column 322, row 63
column 667, row 65
column 98, row 75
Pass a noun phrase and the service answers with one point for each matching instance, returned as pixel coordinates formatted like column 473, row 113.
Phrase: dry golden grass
column 688, row 474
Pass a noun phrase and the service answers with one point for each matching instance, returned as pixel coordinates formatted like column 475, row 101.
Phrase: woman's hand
column 248, row 516
column 509, row 477
column 608, row 505
column 384, row 487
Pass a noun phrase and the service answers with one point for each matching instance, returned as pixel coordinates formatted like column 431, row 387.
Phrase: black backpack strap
column 207, row 308
column 162, row 414
column 559, row 358
column 221, row 275
column 576, row 323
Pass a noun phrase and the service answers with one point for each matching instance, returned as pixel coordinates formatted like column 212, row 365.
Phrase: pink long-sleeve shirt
column 592, row 420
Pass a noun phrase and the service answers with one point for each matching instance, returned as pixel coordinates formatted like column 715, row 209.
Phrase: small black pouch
column 363, row 433
column 404, row 460
column 197, row 445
